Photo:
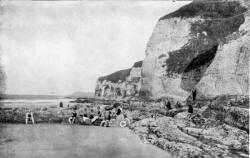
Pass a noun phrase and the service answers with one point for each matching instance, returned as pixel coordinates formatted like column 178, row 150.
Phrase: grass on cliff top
column 120, row 75
column 190, row 55
column 206, row 9
column 116, row 76
column 138, row 64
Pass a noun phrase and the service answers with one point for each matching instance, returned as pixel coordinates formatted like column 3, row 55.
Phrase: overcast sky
column 63, row 47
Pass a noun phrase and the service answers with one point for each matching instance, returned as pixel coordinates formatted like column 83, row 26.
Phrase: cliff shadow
column 195, row 70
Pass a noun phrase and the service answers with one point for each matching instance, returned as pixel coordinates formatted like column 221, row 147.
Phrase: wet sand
column 72, row 141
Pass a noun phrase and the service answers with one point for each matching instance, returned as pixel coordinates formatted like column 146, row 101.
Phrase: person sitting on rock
column 85, row 115
column 92, row 114
column 190, row 109
column 198, row 105
column 29, row 117
column 229, row 104
column 72, row 119
column 107, row 117
column 119, row 111
column 167, row 104
column 178, row 105
column 96, row 115
column 99, row 111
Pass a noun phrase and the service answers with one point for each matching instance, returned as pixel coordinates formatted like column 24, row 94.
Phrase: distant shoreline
column 28, row 96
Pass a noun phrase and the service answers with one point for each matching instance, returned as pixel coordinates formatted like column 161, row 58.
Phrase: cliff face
column 203, row 45
column 120, row 84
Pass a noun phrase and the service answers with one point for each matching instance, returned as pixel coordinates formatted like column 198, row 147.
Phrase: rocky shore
column 202, row 46
column 208, row 132
column 219, row 128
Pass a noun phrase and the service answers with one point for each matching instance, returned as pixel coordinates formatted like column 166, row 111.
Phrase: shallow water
column 34, row 102
column 72, row 141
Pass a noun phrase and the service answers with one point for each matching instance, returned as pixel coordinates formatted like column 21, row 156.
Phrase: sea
column 34, row 102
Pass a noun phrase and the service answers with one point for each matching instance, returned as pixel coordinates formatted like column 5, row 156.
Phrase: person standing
column 29, row 117
column 194, row 93
column 61, row 104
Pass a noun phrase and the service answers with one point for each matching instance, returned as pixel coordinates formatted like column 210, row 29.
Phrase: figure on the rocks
column 60, row 104
column 229, row 104
column 85, row 115
column 29, row 117
column 178, row 105
column 167, row 104
column 99, row 111
column 72, row 119
column 190, row 109
column 91, row 115
column 194, row 93
column 107, row 118
column 198, row 105
column 119, row 111
column 211, row 104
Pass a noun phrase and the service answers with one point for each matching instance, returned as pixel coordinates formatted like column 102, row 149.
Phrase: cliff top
column 208, row 9
column 116, row 76
column 138, row 64
column 120, row 75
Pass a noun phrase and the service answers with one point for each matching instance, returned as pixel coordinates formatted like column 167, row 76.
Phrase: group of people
column 29, row 117
column 178, row 105
column 89, row 115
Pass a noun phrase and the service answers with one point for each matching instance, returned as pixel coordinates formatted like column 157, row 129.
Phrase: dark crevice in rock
column 202, row 59
column 205, row 34
column 196, row 69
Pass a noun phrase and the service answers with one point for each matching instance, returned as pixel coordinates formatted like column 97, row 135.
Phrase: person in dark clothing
column 85, row 113
column 194, row 93
column 72, row 119
column 178, row 105
column 107, row 118
column 168, row 105
column 109, row 115
column 91, row 115
column 118, row 112
column 190, row 109
column 99, row 113
column 60, row 104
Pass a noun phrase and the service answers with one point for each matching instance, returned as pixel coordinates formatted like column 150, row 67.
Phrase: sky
column 63, row 47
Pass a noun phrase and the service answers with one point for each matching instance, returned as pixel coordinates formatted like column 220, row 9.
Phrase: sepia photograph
column 124, row 78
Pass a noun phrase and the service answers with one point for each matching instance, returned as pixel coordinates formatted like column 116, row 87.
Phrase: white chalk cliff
column 120, row 84
column 204, row 45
